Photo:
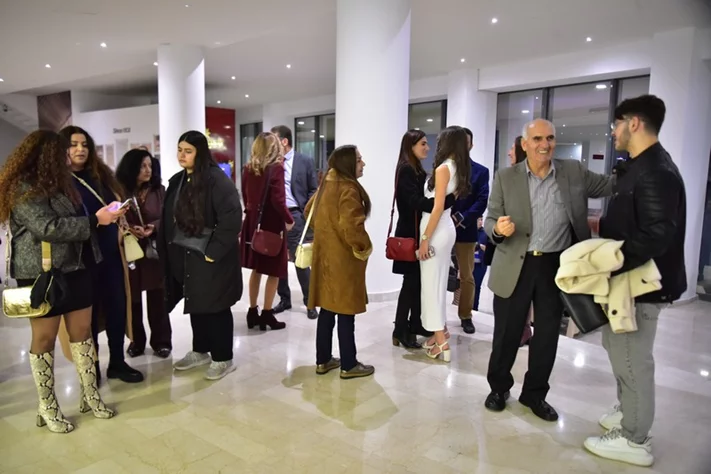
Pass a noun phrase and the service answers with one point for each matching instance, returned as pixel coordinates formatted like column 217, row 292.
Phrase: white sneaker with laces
column 613, row 445
column 191, row 360
column 217, row 370
column 612, row 420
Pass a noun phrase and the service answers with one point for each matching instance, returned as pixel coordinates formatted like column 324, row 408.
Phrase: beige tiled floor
column 274, row 415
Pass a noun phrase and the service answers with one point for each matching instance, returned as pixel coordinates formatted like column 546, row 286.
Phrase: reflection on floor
column 274, row 415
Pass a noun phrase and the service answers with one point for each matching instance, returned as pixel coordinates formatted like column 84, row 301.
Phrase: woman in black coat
column 411, row 203
column 199, row 245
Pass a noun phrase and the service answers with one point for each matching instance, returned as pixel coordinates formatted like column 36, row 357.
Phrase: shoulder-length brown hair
column 39, row 162
column 407, row 157
column 343, row 161
column 266, row 150
column 99, row 170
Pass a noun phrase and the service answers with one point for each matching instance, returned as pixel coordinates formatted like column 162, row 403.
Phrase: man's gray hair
column 530, row 124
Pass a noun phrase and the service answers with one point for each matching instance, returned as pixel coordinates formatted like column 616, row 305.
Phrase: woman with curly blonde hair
column 42, row 206
column 264, row 198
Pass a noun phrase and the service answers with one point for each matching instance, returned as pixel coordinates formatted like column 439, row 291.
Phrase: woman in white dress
column 452, row 172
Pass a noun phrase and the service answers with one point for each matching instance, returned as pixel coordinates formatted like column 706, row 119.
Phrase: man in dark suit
column 465, row 213
column 301, row 183
column 538, row 208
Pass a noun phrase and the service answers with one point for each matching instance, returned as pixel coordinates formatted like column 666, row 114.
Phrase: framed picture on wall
column 100, row 151
column 110, row 157
column 156, row 144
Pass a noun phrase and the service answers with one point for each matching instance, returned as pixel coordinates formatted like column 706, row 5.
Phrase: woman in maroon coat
column 263, row 185
column 140, row 177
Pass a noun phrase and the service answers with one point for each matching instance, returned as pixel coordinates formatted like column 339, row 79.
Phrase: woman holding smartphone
column 437, row 235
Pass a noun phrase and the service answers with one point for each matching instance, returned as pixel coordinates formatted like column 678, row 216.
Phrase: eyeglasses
column 614, row 124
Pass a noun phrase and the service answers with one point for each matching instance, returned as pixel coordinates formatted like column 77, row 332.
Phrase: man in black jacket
column 648, row 213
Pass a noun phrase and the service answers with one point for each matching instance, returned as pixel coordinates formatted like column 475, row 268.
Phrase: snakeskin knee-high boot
column 48, row 412
column 84, row 356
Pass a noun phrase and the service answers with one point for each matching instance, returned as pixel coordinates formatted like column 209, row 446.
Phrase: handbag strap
column 392, row 209
column 311, row 212
column 86, row 185
column 46, row 254
column 264, row 197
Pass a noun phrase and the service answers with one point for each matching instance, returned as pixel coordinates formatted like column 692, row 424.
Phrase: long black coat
column 411, row 203
column 208, row 287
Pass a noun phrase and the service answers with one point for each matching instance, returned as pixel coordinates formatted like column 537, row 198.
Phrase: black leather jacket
column 648, row 212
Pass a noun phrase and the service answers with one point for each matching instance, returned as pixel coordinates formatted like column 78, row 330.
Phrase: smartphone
column 459, row 220
column 123, row 206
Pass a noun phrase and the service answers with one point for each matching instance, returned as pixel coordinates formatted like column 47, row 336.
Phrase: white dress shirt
column 288, row 166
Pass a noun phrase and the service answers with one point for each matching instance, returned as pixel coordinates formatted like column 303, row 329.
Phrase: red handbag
column 400, row 249
column 266, row 243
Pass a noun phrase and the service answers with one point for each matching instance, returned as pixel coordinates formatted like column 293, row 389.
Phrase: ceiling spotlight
column 219, row 101
column 704, row 373
column 525, row 111
column 417, row 128
column 588, row 39
column 313, row 131
column 300, row 122
column 575, row 144
column 246, row 96
column 463, row 60
column 187, row 6
column 228, row 127
column 494, row 21
column 322, row 136
column 601, row 86
column 234, row 78
column 155, row 63
column 103, row 45
column 2, row 80
column 288, row 66
column 536, row 97
column 430, row 120
column 48, row 66
column 564, row 125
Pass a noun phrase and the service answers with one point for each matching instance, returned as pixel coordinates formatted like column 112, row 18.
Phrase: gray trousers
column 633, row 367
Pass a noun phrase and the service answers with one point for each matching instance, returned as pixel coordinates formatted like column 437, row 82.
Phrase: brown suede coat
column 341, row 248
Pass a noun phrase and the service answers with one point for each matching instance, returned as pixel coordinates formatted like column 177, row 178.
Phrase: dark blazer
column 208, row 287
column 54, row 220
column 304, row 182
column 648, row 212
column 473, row 206
column 510, row 197
column 411, row 203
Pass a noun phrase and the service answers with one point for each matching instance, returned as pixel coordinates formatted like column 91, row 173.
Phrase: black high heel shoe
column 253, row 317
column 405, row 339
column 267, row 319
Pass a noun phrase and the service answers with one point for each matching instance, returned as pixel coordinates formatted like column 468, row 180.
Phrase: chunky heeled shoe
column 84, row 356
column 267, row 319
column 402, row 337
column 445, row 353
column 48, row 412
column 253, row 317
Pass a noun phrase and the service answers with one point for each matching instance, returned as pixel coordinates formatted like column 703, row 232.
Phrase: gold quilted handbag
column 16, row 302
column 304, row 252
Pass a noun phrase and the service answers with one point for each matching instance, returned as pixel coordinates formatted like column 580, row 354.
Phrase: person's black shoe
column 468, row 326
column 402, row 337
column 163, row 352
column 281, row 307
column 124, row 373
column 134, row 351
column 496, row 401
column 540, row 408
column 421, row 331
column 312, row 314
column 98, row 374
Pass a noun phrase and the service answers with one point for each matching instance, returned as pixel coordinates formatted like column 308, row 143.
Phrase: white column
column 372, row 90
column 682, row 79
column 469, row 107
column 181, row 99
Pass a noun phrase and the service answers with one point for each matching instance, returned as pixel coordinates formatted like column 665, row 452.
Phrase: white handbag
column 304, row 252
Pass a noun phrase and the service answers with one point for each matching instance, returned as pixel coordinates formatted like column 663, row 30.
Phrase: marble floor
column 274, row 415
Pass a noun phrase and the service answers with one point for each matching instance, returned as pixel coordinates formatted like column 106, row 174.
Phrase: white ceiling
column 254, row 41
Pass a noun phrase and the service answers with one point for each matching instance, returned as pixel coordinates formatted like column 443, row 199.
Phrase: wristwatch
column 424, row 237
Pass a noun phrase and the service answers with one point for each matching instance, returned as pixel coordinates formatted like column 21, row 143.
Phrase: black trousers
column 346, row 338
column 303, row 274
column 535, row 284
column 110, row 299
column 158, row 320
column 213, row 334
column 409, row 304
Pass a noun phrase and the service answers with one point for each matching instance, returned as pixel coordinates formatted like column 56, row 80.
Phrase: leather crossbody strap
column 86, row 185
column 311, row 212
column 264, row 197
column 392, row 209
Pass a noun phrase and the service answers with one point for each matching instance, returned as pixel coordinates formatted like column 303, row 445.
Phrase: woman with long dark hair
column 97, row 186
column 198, row 242
column 41, row 204
column 452, row 173
column 410, row 178
column 341, row 249
column 135, row 174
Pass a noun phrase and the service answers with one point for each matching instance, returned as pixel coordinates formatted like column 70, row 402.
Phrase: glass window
column 326, row 140
column 248, row 133
column 629, row 88
column 514, row 110
column 316, row 137
column 581, row 114
column 431, row 118
column 305, row 136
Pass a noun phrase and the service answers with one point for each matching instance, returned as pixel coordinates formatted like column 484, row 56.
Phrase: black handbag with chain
column 197, row 243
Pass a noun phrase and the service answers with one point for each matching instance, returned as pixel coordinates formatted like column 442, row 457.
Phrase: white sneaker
column 217, row 370
column 191, row 360
column 615, row 446
column 612, row 420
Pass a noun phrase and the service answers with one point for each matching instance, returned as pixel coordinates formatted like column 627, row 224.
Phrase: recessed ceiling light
column 606, row 134
column 494, row 20
column 155, row 63
column 704, row 373
column 219, row 101
column 288, row 66
column 564, row 125
column 588, row 39
column 300, row 122
column 536, row 97
column 463, row 60
column 218, row 43
column 2, row 80
column 601, row 86
column 48, row 66
column 574, row 143
column 430, row 120
column 187, row 6
column 228, row 127
column 103, row 45
column 322, row 136
column 234, row 78
column 246, row 96
column 525, row 111
column 313, row 131
column 417, row 128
